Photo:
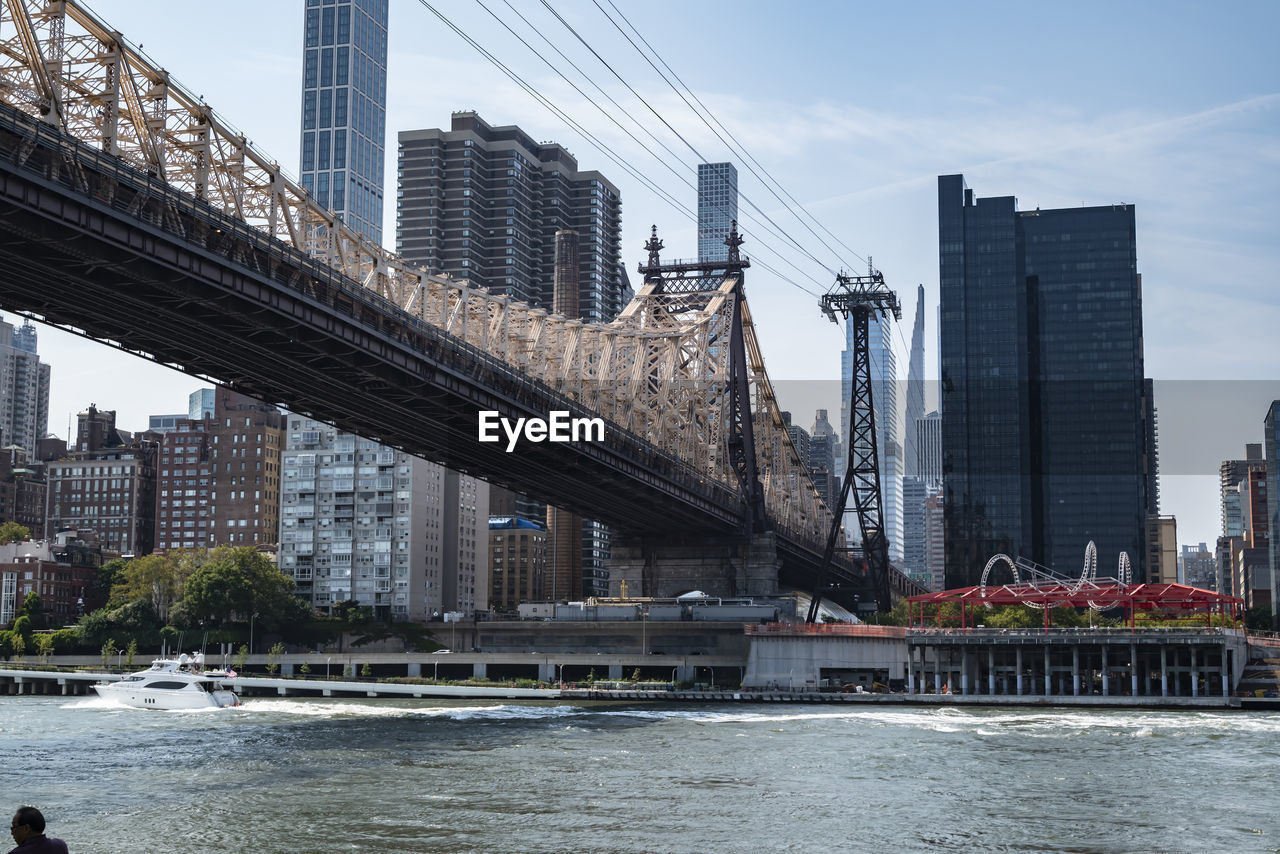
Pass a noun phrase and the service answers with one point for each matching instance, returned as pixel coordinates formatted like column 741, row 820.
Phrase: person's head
column 27, row 822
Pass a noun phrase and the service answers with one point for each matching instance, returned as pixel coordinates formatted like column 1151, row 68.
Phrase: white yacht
column 172, row 683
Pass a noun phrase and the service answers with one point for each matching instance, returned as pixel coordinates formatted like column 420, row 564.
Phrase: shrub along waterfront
column 203, row 596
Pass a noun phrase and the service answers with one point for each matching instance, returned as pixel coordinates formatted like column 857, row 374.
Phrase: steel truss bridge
column 131, row 212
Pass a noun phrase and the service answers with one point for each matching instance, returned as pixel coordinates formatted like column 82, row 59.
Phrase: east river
column 320, row 775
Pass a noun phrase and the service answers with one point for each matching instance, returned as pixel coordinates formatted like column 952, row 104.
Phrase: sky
column 854, row 109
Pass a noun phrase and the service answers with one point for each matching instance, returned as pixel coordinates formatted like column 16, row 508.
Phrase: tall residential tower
column 484, row 203
column 717, row 208
column 24, row 389
column 344, row 108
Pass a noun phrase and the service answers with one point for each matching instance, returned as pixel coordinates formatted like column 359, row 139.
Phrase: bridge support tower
column 727, row 566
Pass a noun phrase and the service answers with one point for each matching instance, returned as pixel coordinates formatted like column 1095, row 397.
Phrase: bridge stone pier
column 668, row 567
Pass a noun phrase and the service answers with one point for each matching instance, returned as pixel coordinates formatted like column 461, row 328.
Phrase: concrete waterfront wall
column 800, row 657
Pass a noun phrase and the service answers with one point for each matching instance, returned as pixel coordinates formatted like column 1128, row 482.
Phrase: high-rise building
column 935, row 541
column 344, row 109
column 884, row 397
column 717, row 209
column 1162, row 550
column 465, row 543
column 928, row 432
column 484, row 203
column 24, row 389
column 247, row 438
column 517, row 561
column 800, row 438
column 1230, row 473
column 106, row 485
column 1271, row 426
column 1045, row 421
column 1198, row 567
column 366, row 523
column 915, row 392
column 219, row 475
column 824, row 458
column 183, row 487
column 914, row 544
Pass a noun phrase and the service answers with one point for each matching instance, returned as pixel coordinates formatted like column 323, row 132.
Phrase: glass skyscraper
column 1044, row 406
column 884, row 397
column 717, row 208
column 344, row 108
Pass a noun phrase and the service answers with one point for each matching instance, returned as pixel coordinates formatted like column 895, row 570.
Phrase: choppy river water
column 321, row 775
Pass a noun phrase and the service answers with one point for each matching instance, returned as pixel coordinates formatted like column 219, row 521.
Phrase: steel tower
column 857, row 298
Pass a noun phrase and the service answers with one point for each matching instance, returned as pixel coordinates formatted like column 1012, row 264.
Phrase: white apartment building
column 364, row 522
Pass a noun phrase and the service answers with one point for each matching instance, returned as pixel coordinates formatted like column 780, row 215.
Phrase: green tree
column 236, row 582
column 156, row 579
column 1012, row 617
column 19, row 645
column 34, row 609
column 130, row 651
column 1259, row 618
column 133, row 619
column 106, row 578
column 304, row 668
column 22, row 626
column 242, row 657
column 108, row 649
column 44, row 646
column 273, row 657
column 365, row 670
column 12, row 532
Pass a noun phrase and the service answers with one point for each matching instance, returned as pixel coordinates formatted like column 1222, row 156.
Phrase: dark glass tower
column 1045, row 439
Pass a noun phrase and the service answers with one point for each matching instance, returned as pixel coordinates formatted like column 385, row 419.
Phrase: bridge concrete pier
column 724, row 566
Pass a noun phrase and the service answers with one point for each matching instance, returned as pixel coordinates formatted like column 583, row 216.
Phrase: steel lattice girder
column 660, row 370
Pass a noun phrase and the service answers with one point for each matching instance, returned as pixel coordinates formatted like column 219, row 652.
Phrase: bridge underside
column 90, row 244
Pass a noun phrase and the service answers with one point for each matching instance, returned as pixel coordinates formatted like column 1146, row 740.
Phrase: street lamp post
column 644, row 630
column 326, row 666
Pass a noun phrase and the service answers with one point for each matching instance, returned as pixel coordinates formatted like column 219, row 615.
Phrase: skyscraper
column 24, row 389
column 1271, row 426
column 717, row 208
column 915, row 390
column 928, row 432
column 1044, row 433
column 884, row 397
column 484, row 203
column 825, row 458
column 344, row 108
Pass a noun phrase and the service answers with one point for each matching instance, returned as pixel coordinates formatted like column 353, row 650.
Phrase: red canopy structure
column 1099, row 594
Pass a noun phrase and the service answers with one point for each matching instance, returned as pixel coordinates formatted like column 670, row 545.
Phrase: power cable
column 731, row 145
column 677, row 133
